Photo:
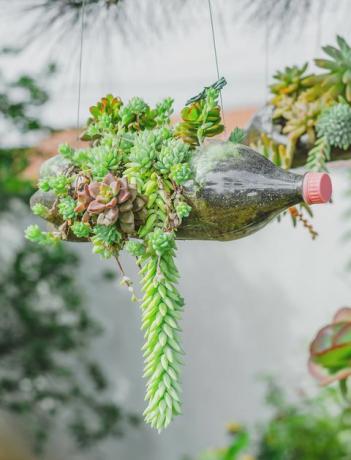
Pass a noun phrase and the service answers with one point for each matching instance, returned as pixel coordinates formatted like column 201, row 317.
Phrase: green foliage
column 135, row 248
column 12, row 164
column 40, row 210
column 80, row 229
column 58, row 184
column 129, row 184
column 236, row 450
column 36, row 235
column 237, row 136
column 306, row 108
column 201, row 119
column 180, row 173
column 172, row 153
column 111, row 115
column 66, row 208
column 44, row 323
column 337, row 79
column 319, row 155
column 334, row 125
column 310, row 429
column 45, row 329
column 19, row 112
column 183, row 210
column 161, row 307
column 331, row 348
column 290, row 81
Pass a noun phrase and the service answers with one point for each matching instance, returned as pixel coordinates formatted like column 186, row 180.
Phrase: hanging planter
column 308, row 120
column 143, row 183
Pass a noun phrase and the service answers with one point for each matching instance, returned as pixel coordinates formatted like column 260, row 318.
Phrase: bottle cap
column 317, row 188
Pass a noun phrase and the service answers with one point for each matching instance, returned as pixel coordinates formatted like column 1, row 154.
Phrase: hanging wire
column 319, row 25
column 215, row 53
column 266, row 58
column 82, row 26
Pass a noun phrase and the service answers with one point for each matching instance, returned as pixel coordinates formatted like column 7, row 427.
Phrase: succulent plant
column 81, row 230
column 135, row 248
column 128, row 183
column 41, row 210
column 58, row 184
column 67, row 207
column 338, row 76
column 300, row 120
column 173, row 152
column 319, row 155
column 334, row 125
column 201, row 118
column 291, row 81
column 112, row 200
column 36, row 235
column 330, row 351
column 183, row 210
column 237, row 136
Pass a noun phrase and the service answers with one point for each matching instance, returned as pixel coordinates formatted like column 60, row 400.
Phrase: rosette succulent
column 338, row 76
column 290, row 81
column 330, row 351
column 112, row 200
column 201, row 119
column 334, row 125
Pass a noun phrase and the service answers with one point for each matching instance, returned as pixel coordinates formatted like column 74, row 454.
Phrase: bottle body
column 236, row 192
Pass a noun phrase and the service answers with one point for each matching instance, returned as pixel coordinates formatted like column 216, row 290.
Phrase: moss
column 206, row 157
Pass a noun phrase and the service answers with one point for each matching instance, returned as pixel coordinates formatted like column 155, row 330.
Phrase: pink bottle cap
column 317, row 188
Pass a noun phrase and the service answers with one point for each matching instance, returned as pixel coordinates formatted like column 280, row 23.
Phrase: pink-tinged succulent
column 330, row 351
column 112, row 200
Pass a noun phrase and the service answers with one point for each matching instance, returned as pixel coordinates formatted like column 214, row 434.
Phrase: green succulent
column 334, row 124
column 58, row 184
column 161, row 241
column 36, row 235
column 66, row 208
column 291, row 81
column 126, row 184
column 66, row 151
column 40, row 210
column 144, row 151
column 172, row 152
column 201, row 119
column 237, row 136
column 300, row 120
column 80, row 229
column 338, row 75
column 183, row 210
column 180, row 173
column 163, row 111
column 102, row 160
column 108, row 234
column 135, row 248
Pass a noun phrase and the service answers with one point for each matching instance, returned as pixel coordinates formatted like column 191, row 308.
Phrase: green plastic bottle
column 236, row 191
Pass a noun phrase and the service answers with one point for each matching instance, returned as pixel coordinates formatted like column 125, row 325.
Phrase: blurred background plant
column 307, row 427
column 45, row 327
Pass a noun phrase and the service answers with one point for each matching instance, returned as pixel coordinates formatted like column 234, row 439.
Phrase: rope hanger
column 215, row 53
column 82, row 27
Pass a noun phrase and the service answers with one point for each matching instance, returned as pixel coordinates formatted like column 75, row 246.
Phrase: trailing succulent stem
column 162, row 306
column 128, row 184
